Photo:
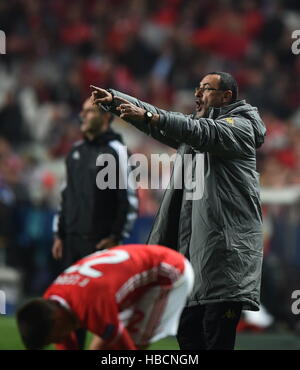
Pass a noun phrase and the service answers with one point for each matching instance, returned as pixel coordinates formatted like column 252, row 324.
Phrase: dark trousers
column 209, row 327
column 76, row 247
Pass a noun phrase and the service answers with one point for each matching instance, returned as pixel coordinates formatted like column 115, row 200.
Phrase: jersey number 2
column 86, row 269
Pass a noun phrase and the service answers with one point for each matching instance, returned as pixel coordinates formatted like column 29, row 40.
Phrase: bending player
column 128, row 296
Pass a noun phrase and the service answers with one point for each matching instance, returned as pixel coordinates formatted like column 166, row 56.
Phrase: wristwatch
column 148, row 116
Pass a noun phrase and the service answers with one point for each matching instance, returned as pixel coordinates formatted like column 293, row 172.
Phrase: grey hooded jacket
column 219, row 226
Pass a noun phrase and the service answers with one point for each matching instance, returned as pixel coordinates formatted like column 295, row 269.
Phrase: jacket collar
column 104, row 138
column 216, row 112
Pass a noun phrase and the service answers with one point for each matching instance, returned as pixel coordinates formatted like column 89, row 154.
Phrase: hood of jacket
column 241, row 108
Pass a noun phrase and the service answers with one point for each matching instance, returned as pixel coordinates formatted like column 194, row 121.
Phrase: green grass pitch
column 10, row 339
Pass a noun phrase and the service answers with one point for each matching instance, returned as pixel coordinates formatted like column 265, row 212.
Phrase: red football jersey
column 100, row 286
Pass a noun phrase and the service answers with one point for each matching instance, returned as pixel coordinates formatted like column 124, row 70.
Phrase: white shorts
column 161, row 308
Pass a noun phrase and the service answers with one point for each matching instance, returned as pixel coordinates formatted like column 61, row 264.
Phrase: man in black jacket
column 219, row 227
column 91, row 218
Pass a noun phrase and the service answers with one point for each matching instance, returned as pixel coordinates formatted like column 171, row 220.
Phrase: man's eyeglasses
column 203, row 89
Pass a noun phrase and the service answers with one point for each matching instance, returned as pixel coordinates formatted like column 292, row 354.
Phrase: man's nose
column 198, row 93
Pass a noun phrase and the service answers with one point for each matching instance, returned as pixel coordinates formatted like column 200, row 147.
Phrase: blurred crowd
column 156, row 50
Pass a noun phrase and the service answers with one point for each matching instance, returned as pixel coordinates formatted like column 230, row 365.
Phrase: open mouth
column 199, row 105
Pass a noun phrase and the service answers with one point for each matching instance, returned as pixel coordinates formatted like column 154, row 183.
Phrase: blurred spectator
column 11, row 120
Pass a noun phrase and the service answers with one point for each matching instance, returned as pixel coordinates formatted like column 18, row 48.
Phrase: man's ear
column 227, row 97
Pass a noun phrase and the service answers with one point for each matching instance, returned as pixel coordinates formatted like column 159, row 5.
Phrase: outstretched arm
column 118, row 103
column 230, row 139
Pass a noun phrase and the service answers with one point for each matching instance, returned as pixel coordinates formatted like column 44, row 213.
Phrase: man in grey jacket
column 220, row 231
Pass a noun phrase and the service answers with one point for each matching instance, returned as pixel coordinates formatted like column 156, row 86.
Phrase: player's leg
column 142, row 319
column 175, row 304
column 156, row 315
column 220, row 323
